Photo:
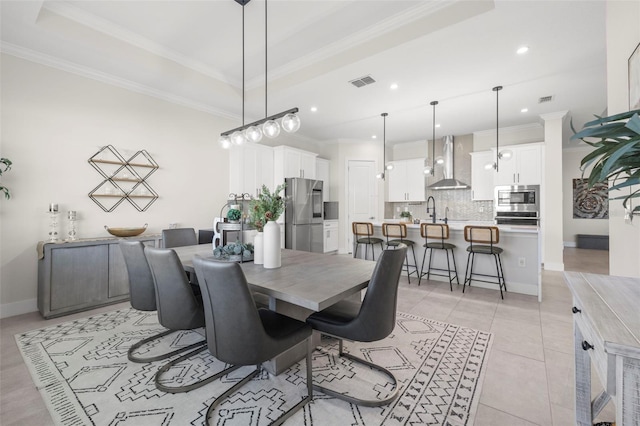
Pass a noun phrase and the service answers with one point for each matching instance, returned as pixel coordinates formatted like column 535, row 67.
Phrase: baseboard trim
column 18, row 308
column 553, row 266
column 570, row 244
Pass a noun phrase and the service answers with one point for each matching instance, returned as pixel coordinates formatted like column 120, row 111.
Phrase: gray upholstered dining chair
column 178, row 309
column 179, row 237
column 371, row 321
column 142, row 294
column 238, row 333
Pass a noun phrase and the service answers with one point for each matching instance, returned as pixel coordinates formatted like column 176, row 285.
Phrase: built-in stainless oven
column 517, row 204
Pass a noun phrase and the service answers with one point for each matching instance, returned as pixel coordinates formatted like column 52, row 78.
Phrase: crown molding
column 111, row 29
column 83, row 71
column 510, row 129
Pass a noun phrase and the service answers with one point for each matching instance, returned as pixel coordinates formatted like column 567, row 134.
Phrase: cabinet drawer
column 603, row 363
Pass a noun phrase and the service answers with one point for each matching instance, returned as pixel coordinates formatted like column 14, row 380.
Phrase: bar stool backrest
column 394, row 230
column 362, row 229
column 434, row 230
column 482, row 234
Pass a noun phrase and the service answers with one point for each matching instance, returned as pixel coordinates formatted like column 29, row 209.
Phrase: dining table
column 305, row 283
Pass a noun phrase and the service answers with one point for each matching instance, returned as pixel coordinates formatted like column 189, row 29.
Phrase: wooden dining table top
column 313, row 281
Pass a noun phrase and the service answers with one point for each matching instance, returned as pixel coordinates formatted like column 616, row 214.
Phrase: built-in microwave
column 517, row 198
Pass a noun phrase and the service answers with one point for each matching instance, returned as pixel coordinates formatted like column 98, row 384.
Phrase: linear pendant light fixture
column 430, row 170
column 267, row 126
column 500, row 155
column 381, row 175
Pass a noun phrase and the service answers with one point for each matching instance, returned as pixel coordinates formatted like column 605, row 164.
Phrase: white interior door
column 362, row 195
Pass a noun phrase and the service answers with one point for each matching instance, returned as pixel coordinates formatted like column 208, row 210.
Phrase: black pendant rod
column 265, row 60
column 497, row 89
column 384, row 144
column 243, row 64
column 433, row 140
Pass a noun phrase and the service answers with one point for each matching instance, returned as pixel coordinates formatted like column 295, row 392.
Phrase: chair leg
column 424, row 256
column 467, row 275
column 495, row 259
column 406, row 262
column 353, row 400
column 429, row 266
column 142, row 342
column 196, row 385
column 446, row 253
column 453, row 256
column 255, row 372
column 415, row 261
column 355, row 251
column 366, row 251
column 502, row 273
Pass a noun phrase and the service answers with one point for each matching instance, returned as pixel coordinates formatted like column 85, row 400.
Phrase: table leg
column 582, row 380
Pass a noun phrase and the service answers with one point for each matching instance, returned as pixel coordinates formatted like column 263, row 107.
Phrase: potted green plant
column 405, row 216
column 5, row 166
column 234, row 215
column 267, row 206
column 616, row 156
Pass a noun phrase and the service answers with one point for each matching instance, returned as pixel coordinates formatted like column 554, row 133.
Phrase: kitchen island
column 520, row 260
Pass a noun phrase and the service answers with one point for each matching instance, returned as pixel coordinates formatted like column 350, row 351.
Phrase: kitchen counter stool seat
column 482, row 240
column 441, row 232
column 363, row 234
column 396, row 235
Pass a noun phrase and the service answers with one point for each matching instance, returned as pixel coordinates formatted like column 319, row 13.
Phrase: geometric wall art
column 123, row 179
column 590, row 203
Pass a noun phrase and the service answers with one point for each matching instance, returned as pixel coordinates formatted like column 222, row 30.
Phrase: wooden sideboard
column 80, row 275
column 606, row 333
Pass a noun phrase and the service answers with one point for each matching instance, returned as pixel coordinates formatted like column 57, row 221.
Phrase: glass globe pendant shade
column 380, row 175
column 253, row 134
column 225, row 142
column 290, row 123
column 237, row 138
column 439, row 160
column 490, row 166
column 505, row 154
column 427, row 170
column 271, row 129
column 389, row 166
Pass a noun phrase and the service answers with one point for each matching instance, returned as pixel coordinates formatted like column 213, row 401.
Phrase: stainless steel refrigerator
column 303, row 216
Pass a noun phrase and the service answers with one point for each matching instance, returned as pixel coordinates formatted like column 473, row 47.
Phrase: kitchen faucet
column 433, row 215
column 446, row 215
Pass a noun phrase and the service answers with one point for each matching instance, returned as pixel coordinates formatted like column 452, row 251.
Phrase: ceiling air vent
column 545, row 99
column 363, row 81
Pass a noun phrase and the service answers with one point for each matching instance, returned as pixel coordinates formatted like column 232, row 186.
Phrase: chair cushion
column 369, row 240
column 339, row 313
column 395, row 243
column 484, row 249
column 439, row 245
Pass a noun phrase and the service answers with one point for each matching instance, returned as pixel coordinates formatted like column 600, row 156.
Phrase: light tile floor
column 529, row 378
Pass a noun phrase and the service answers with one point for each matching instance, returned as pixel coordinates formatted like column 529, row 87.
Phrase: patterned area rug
column 82, row 372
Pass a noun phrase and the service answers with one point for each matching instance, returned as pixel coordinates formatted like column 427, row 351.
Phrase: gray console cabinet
column 82, row 275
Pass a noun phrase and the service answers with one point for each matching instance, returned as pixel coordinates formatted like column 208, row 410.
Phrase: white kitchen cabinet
column 330, row 235
column 322, row 173
column 250, row 167
column 292, row 162
column 406, row 180
column 482, row 179
column 523, row 168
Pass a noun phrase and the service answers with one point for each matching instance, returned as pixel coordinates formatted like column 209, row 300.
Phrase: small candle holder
column 72, row 217
column 53, row 222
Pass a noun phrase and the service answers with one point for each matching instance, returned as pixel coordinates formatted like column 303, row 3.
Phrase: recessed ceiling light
column 524, row 110
column 437, row 125
column 374, row 137
column 314, row 109
column 393, row 86
column 522, row 50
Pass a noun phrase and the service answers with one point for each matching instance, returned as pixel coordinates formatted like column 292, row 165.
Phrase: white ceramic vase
column 271, row 248
column 258, row 248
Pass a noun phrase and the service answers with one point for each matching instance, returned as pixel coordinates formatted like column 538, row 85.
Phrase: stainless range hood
column 449, row 182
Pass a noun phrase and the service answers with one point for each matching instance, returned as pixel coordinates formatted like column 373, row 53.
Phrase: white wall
column 623, row 35
column 52, row 122
column 571, row 158
column 486, row 139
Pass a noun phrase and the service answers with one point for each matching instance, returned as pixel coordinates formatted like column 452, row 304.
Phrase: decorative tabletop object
column 234, row 252
column 263, row 213
column 405, row 216
column 126, row 232
column 234, row 215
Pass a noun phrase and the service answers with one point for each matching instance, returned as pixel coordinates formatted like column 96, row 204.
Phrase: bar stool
column 440, row 232
column 478, row 237
column 363, row 234
column 398, row 233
